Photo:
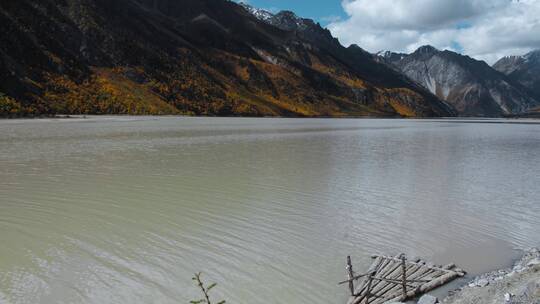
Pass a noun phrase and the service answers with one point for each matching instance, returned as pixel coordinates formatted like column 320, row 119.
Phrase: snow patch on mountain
column 390, row 54
column 259, row 13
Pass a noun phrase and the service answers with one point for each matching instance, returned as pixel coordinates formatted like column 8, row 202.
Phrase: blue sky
column 322, row 11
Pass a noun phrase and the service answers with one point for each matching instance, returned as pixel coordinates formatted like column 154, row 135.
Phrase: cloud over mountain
column 484, row 29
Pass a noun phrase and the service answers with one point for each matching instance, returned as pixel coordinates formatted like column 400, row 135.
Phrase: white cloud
column 484, row 29
column 331, row 19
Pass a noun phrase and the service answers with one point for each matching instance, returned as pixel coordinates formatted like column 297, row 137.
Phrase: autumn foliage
column 9, row 107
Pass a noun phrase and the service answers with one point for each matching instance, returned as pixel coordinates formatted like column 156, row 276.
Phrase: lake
column 126, row 209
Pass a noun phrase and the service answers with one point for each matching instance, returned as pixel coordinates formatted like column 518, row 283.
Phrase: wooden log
column 390, row 267
column 449, row 266
column 387, row 270
column 411, row 269
column 350, row 275
column 427, row 275
column 426, row 287
column 435, row 268
column 394, row 292
column 377, row 297
column 375, row 265
column 384, row 265
column 397, row 288
column 356, row 277
column 394, row 281
column 460, row 272
column 392, row 271
column 390, row 275
column 415, row 272
column 395, row 273
column 379, row 263
column 404, row 277
column 368, row 290
column 438, row 282
column 421, row 273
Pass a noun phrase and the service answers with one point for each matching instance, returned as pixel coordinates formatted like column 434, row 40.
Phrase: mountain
column 522, row 69
column 260, row 14
column 389, row 57
column 508, row 65
column 472, row 87
column 198, row 57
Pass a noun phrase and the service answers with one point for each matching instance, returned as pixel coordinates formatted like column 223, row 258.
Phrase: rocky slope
column 522, row 69
column 471, row 86
column 203, row 57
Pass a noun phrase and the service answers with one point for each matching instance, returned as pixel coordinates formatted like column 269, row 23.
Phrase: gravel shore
column 517, row 285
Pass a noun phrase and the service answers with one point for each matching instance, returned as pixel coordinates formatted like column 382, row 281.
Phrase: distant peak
column 259, row 13
column 286, row 13
column 387, row 54
column 288, row 20
column 285, row 19
column 426, row 49
column 289, row 16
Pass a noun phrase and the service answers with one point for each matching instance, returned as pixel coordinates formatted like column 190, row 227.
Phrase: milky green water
column 125, row 209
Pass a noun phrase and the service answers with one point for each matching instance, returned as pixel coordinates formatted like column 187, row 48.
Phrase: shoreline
column 471, row 119
column 519, row 284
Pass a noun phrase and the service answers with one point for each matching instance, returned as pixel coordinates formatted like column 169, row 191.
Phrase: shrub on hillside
column 9, row 107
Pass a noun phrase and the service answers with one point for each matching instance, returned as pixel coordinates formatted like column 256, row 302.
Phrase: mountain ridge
column 196, row 57
column 471, row 86
column 524, row 70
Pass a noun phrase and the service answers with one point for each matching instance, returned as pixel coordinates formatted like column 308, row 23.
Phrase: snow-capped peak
column 392, row 56
column 259, row 13
column 384, row 53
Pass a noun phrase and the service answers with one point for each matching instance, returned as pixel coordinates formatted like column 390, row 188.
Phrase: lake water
column 126, row 209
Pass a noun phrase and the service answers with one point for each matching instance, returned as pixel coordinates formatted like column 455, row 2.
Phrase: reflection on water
column 124, row 210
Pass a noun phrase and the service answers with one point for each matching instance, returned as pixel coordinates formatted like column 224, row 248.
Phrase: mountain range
column 217, row 57
column 472, row 87
column 195, row 57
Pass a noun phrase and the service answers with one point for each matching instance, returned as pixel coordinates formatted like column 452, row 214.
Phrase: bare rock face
column 471, row 86
column 508, row 65
column 522, row 69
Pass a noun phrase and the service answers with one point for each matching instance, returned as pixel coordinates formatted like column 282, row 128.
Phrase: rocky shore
column 517, row 285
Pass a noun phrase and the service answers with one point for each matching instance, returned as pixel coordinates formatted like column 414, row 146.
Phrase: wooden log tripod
column 396, row 279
